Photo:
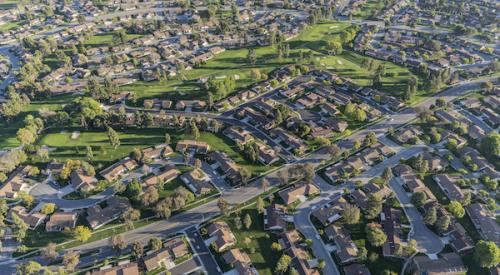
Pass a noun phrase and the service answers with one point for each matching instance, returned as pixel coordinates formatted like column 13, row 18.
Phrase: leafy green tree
column 375, row 234
column 71, row 260
column 20, row 227
column 490, row 145
column 373, row 206
column 155, row 243
column 82, row 233
column 247, row 221
column 418, row 199
column 351, row 214
column 134, row 190
column 487, row 254
column 282, row 264
column 28, row 268
column 113, row 137
column 456, row 209
column 442, row 223
column 430, row 217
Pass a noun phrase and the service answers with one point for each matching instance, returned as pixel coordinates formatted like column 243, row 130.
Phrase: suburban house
column 447, row 184
column 15, row 183
column 240, row 261
column 239, row 135
column 391, row 225
column 226, row 166
column 59, row 221
column 446, row 264
column 276, row 217
column 460, row 241
column 298, row 192
column 33, row 220
column 80, row 180
column 197, row 182
column 345, row 250
column 158, row 151
column 164, row 175
column 125, row 269
column 300, row 261
column 331, row 211
column 356, row 269
column 116, row 170
column 485, row 222
column 267, row 155
column 222, row 234
column 172, row 249
column 193, row 146
column 98, row 216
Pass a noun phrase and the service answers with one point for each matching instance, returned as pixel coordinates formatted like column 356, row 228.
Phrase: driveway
column 201, row 251
column 427, row 241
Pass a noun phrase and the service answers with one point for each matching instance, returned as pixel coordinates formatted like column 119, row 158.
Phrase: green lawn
column 10, row 25
column 104, row 153
column 234, row 62
column 367, row 9
column 102, row 40
column 9, row 129
column 264, row 259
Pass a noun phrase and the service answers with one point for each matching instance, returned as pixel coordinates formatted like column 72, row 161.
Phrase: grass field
column 10, row 25
column 100, row 40
column 233, row 62
column 104, row 154
column 264, row 258
column 8, row 132
column 367, row 9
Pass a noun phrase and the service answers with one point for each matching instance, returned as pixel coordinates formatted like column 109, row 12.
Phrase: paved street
column 427, row 241
column 202, row 251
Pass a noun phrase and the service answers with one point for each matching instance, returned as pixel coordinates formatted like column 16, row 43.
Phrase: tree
column 29, row 268
column 162, row 209
column 456, row 209
column 82, row 233
column 260, row 205
column 387, row 174
column 134, row 189
column 351, row 214
column 118, row 242
column 48, row 208
column 487, row 254
column 167, row 138
column 373, row 206
column 247, row 221
column 120, row 36
column 114, row 139
column 252, row 56
column 418, row 199
column 155, row 243
column 442, row 223
column 370, row 139
column 223, row 206
column 490, row 145
column 71, row 260
column 150, row 196
column 276, row 247
column 487, row 86
column 20, row 227
column 26, row 136
column 49, row 252
column 375, row 234
column 282, row 264
column 89, row 153
column 129, row 216
column 137, row 249
column 430, row 217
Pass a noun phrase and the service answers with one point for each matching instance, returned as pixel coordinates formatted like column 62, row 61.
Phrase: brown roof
column 33, row 220
column 485, row 222
column 236, row 255
column 126, row 269
column 292, row 194
column 154, row 260
column 114, row 171
column 224, row 235
column 198, row 146
column 448, row 263
column 98, row 216
column 61, row 220
column 275, row 217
